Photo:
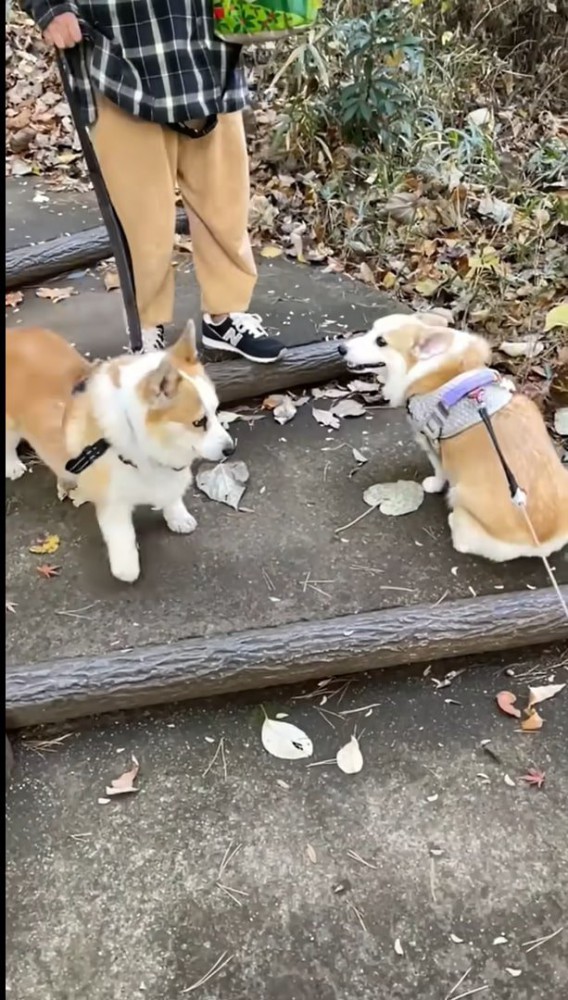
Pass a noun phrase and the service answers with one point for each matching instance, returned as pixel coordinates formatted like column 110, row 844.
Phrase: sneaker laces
column 153, row 338
column 250, row 323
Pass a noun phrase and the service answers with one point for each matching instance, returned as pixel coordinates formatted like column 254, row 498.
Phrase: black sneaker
column 244, row 334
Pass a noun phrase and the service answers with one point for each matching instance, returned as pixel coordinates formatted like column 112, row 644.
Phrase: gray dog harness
column 456, row 406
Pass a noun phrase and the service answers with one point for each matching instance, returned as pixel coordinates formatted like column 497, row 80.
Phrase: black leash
column 117, row 237
column 518, row 496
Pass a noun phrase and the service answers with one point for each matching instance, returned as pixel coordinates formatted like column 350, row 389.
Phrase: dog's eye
column 202, row 422
column 381, row 342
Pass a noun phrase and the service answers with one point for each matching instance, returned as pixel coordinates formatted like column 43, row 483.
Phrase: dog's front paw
column 434, row 484
column 14, row 468
column 180, row 521
column 125, row 566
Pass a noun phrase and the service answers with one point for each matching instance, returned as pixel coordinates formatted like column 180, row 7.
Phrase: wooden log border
column 31, row 264
column 305, row 365
column 154, row 675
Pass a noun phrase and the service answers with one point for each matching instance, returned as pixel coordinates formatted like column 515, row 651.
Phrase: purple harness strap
column 465, row 385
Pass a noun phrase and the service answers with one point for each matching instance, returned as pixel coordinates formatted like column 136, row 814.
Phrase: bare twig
column 364, row 708
column 215, row 969
column 355, row 520
column 469, row 993
column 219, row 751
column 359, row 916
column 536, row 942
column 228, row 856
column 357, row 857
column 459, row 982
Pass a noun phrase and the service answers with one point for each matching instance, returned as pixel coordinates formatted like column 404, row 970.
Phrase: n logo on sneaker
column 233, row 337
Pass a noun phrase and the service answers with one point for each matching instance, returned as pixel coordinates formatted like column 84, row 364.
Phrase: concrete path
column 277, row 561
column 436, row 850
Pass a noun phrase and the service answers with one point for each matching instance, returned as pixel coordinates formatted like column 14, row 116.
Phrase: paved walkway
column 427, row 851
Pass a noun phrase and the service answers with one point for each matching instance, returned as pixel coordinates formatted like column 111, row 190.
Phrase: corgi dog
column 443, row 378
column 119, row 434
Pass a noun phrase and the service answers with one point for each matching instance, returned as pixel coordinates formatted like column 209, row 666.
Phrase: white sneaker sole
column 220, row 345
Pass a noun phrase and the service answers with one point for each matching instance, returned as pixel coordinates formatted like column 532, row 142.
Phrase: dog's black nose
column 229, row 449
column 342, row 349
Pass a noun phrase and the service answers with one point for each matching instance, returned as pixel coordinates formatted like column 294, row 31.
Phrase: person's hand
column 63, row 32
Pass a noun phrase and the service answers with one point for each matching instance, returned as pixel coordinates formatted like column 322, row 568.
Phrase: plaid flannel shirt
column 159, row 61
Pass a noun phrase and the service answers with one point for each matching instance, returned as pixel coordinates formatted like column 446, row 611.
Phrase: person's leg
column 137, row 160
column 213, row 177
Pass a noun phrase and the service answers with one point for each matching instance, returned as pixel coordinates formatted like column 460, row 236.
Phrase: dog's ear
column 161, row 386
column 185, row 348
column 432, row 342
column 437, row 318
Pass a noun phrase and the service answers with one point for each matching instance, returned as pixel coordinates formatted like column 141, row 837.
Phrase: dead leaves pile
column 40, row 138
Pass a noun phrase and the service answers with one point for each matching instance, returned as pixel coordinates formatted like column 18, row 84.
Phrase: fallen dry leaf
column 285, row 411
column 543, row 693
column 529, row 348
column 11, row 606
column 561, row 421
column 349, row 758
column 506, row 701
column 270, row 252
column 326, row 418
column 348, row 408
column 366, row 274
column 359, row 456
column 534, row 777
column 111, row 281
column 272, row 401
column 285, row 741
column 558, row 316
column 395, row 499
column 124, row 784
column 45, row 546
column 402, row 205
column 55, row 295
column 13, row 299
column 225, row 483
column 532, row 723
column 47, row 572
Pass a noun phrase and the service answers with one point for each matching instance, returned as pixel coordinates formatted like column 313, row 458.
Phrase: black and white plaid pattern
column 158, row 61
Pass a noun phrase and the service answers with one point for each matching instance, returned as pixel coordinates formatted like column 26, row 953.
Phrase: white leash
column 522, row 504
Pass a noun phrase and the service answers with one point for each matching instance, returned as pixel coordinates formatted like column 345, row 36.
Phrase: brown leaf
column 534, row 777
column 532, row 723
column 124, row 784
column 366, row 274
column 271, row 402
column 111, row 281
column 47, row 571
column 13, row 299
column 55, row 294
column 506, row 702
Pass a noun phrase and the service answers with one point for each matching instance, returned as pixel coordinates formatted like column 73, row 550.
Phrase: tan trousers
column 141, row 162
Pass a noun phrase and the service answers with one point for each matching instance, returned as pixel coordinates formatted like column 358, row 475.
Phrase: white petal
column 349, row 758
column 514, row 972
column 398, row 947
column 285, row 741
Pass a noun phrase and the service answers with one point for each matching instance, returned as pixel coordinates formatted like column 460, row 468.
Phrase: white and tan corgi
column 119, row 434
column 442, row 377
